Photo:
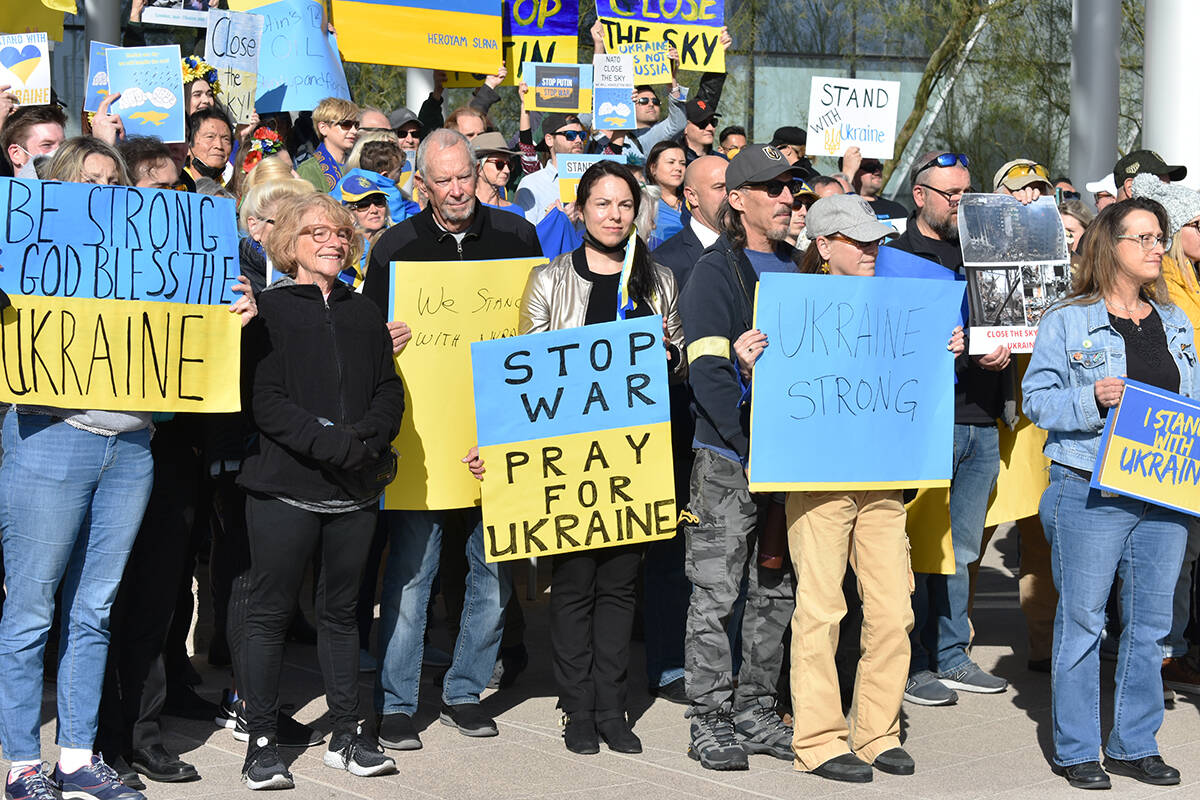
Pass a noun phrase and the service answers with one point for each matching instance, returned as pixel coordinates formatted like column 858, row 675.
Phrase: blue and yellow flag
column 625, row 303
column 459, row 35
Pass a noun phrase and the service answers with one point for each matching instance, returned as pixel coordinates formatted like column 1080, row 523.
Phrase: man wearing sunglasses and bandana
column 336, row 121
column 537, row 192
column 942, row 632
column 723, row 520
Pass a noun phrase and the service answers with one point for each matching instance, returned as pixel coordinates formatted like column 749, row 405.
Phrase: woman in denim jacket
column 1116, row 323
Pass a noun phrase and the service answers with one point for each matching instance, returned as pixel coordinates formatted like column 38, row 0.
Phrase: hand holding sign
column 106, row 126
column 1108, row 391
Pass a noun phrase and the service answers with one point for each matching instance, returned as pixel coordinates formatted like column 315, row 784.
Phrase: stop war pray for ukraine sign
column 1149, row 448
column 463, row 35
column 119, row 298
column 576, row 439
column 692, row 27
column 857, row 376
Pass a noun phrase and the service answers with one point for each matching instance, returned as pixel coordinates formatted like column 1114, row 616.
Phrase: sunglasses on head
column 775, row 188
column 647, row 101
column 368, row 202
column 944, row 160
column 1021, row 170
column 571, row 136
column 348, row 124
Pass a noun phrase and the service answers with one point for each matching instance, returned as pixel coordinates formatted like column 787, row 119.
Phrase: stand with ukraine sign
column 1149, row 449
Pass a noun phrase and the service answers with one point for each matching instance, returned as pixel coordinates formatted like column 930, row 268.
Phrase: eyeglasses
column 571, row 136
column 943, row 160
column 1194, row 225
column 1148, row 240
column 369, row 202
column 775, row 188
column 1071, row 195
column 348, row 124
column 949, row 197
column 647, row 101
column 321, row 233
column 708, row 123
column 1021, row 170
column 855, row 242
column 410, row 133
column 499, row 163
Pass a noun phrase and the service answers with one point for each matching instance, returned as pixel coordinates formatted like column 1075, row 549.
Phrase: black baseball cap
column 698, row 111
column 1140, row 161
column 756, row 163
column 790, row 135
column 558, row 121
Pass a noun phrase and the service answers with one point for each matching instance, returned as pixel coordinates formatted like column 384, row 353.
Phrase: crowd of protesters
column 104, row 514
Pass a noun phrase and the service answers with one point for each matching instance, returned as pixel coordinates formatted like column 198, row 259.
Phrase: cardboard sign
column 851, row 112
column 651, row 62
column 97, row 79
column 448, row 305
column 80, row 240
column 232, row 44
column 533, row 30
column 612, row 103
column 693, row 27
column 150, row 80
column 1018, row 267
column 857, row 369
column 571, row 169
column 459, row 35
column 1149, row 448
column 182, row 13
column 25, row 67
column 558, row 87
column 576, row 437
column 298, row 63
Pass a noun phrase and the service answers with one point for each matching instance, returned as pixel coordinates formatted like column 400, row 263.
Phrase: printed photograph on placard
column 1043, row 285
column 997, row 230
column 996, row 297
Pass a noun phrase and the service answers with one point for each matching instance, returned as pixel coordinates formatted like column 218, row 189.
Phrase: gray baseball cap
column 847, row 214
column 756, row 163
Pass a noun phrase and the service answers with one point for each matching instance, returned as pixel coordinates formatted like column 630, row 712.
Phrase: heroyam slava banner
column 120, row 298
column 576, row 439
column 461, row 35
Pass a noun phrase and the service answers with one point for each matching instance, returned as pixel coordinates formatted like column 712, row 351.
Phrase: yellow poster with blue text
column 534, row 30
column 459, row 35
column 447, row 305
column 1149, row 449
column 575, row 439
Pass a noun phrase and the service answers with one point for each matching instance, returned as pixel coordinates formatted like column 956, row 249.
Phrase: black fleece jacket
column 306, row 361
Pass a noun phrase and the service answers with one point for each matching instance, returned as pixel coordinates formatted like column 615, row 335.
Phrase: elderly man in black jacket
column 453, row 227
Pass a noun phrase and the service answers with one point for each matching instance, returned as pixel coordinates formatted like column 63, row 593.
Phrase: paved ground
column 986, row 746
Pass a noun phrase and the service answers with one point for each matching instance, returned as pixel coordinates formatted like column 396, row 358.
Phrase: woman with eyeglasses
column 665, row 166
column 827, row 531
column 336, row 123
column 1117, row 322
column 325, row 400
column 592, row 601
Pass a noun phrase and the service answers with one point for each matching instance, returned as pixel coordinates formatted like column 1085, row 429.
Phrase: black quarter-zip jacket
column 308, row 360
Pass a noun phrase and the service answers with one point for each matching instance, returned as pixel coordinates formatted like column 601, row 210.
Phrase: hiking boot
column 760, row 730
column 715, row 743
column 924, row 689
column 358, row 754
column 264, row 769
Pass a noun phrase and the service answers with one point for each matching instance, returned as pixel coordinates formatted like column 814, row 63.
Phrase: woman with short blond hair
column 336, row 122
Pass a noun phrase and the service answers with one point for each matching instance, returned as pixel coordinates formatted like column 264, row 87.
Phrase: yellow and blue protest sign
column 858, row 377
column 30, row 18
column 150, row 80
column 119, row 298
column 231, row 45
column 1149, row 448
column 447, row 305
column 612, row 94
column 576, row 438
column 97, row 77
column 25, row 67
column 571, row 169
column 298, row 63
column 459, row 35
column 558, row 87
column 533, row 30
column 692, row 27
column 651, row 61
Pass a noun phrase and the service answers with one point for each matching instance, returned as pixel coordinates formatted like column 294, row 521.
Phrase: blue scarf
column 330, row 168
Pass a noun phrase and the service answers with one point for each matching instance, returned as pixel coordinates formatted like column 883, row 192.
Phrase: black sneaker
column 397, row 732
column 673, row 692
column 31, row 783
column 358, row 754
column 264, row 769
column 760, row 730
column 715, row 743
column 288, row 732
column 469, row 719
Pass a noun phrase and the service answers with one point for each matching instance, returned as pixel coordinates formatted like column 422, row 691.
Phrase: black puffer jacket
column 308, row 361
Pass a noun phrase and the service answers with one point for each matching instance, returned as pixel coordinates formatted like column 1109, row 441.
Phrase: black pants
column 282, row 538
column 135, row 685
column 229, row 568
column 591, row 621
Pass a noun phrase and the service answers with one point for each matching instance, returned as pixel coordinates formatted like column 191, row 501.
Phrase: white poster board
column 852, row 112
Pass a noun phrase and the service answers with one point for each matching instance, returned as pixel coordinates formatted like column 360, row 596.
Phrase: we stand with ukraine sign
column 1149, row 449
column 575, row 433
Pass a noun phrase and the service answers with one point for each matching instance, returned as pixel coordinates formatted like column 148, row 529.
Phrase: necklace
column 1137, row 323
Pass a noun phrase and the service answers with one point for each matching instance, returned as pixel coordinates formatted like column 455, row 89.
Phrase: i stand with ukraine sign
column 1149, row 449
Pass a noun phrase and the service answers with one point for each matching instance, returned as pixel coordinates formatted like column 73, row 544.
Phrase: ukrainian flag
column 462, row 35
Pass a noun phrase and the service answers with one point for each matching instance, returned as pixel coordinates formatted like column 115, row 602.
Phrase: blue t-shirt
column 769, row 262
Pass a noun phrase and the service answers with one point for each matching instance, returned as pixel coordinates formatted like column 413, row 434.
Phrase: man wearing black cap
column 538, row 191
column 723, row 519
column 698, row 134
column 791, row 141
column 1140, row 161
column 868, row 182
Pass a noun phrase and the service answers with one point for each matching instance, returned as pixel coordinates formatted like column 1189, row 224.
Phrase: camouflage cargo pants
column 722, row 542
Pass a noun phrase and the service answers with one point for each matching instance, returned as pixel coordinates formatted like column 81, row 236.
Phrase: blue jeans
column 1176, row 644
column 941, row 632
column 1094, row 539
column 412, row 563
column 70, row 506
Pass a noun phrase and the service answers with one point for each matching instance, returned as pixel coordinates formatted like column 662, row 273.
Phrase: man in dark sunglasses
column 942, row 632
column 698, row 134
column 537, row 193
